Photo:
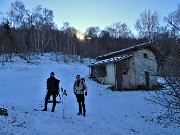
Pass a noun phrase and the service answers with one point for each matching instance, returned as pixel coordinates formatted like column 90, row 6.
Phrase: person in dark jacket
column 52, row 89
column 80, row 89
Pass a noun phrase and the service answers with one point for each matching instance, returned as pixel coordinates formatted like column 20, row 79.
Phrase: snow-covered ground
column 22, row 91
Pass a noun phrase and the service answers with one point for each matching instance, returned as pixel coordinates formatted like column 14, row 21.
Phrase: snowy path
column 23, row 87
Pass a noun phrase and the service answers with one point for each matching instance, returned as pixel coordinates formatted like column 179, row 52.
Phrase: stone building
column 130, row 68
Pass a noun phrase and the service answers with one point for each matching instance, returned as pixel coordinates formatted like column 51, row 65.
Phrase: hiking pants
column 49, row 93
column 81, row 102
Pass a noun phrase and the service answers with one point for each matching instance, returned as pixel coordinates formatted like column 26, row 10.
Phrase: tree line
column 25, row 31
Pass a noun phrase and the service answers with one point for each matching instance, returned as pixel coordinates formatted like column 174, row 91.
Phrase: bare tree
column 18, row 14
column 118, row 30
column 7, row 42
column 173, row 20
column 42, row 20
column 92, row 32
column 170, row 98
column 148, row 24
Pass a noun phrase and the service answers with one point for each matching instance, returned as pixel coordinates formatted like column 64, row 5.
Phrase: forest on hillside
column 32, row 31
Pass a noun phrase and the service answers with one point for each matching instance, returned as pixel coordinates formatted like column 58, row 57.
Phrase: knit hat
column 52, row 73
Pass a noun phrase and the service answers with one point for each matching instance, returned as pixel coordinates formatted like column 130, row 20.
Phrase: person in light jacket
column 80, row 89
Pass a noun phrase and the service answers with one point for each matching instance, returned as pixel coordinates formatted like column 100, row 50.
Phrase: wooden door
column 118, row 77
column 125, row 83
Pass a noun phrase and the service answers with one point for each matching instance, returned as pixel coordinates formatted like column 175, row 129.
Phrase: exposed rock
column 3, row 112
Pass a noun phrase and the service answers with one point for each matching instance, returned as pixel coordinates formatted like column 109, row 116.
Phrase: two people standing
column 79, row 88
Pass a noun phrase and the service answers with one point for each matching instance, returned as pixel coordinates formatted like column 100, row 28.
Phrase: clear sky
column 82, row 14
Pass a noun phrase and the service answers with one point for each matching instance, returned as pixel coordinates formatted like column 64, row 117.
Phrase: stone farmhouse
column 130, row 68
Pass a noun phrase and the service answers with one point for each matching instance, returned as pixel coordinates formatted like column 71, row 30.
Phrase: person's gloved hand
column 85, row 93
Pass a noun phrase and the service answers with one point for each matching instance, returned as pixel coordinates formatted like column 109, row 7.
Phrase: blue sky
column 82, row 14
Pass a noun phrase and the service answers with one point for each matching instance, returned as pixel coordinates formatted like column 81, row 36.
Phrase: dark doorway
column 125, row 81
column 147, row 79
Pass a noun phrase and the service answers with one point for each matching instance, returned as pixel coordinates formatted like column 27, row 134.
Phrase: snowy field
column 22, row 91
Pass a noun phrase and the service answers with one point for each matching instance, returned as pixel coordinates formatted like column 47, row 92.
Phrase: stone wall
column 139, row 65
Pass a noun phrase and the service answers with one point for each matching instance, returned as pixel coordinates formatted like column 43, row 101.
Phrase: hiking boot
column 84, row 113
column 79, row 113
column 52, row 110
column 45, row 109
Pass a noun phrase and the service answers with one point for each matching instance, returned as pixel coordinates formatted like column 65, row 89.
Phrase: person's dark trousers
column 80, row 100
column 49, row 93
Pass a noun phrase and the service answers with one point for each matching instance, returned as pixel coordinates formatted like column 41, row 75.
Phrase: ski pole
column 64, row 94
column 63, row 101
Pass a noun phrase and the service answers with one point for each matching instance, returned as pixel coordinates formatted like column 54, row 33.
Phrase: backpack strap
column 83, row 84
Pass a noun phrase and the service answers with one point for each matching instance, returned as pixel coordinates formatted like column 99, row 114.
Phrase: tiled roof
column 124, row 50
column 110, row 60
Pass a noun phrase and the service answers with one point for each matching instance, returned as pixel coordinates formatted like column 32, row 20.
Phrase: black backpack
column 83, row 80
column 57, row 85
